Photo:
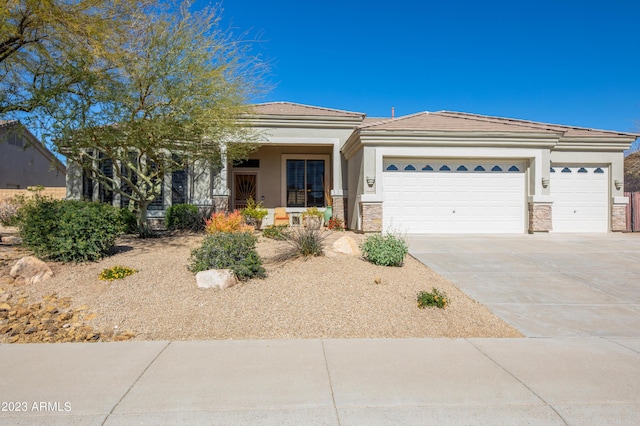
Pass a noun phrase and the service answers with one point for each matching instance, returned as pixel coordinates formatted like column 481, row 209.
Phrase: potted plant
column 254, row 213
column 312, row 218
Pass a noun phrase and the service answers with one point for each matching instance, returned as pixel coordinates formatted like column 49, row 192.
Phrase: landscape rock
column 11, row 240
column 221, row 278
column 31, row 269
column 346, row 245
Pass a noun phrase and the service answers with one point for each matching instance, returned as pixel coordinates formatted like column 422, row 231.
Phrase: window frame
column 283, row 168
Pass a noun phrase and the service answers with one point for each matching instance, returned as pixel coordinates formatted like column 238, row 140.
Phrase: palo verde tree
column 40, row 40
column 169, row 95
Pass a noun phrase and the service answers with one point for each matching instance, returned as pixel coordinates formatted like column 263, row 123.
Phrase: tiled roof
column 572, row 131
column 291, row 108
column 437, row 121
column 465, row 122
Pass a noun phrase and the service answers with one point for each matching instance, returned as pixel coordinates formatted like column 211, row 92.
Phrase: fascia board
column 466, row 139
column 352, row 145
column 304, row 122
column 599, row 144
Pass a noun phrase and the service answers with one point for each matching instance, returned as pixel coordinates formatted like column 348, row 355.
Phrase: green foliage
column 313, row 211
column 435, row 298
column 385, row 250
column 224, row 250
column 184, row 217
column 307, row 241
column 116, row 273
column 276, row 232
column 128, row 221
column 253, row 210
column 68, row 230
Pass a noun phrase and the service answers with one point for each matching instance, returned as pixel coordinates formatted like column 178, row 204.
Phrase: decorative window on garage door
column 455, row 166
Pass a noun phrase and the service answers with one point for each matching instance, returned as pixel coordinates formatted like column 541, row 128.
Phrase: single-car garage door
column 581, row 198
column 475, row 196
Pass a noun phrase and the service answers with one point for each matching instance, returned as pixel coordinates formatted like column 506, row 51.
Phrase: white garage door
column 581, row 198
column 424, row 196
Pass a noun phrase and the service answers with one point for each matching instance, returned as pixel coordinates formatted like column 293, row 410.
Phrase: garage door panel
column 581, row 200
column 455, row 201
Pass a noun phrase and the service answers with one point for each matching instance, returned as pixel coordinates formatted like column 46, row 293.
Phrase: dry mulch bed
column 332, row 296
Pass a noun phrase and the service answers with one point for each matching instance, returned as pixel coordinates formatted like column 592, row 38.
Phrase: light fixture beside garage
column 371, row 181
column 618, row 184
column 545, row 182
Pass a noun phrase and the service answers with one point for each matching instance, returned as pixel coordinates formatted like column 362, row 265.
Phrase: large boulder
column 31, row 269
column 220, row 278
column 346, row 245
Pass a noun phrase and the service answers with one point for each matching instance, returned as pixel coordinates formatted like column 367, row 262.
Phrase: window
column 598, row 170
column 304, row 179
column 179, row 187
column 427, row 168
column 514, row 169
column 410, row 168
column 15, row 139
column 462, row 169
column 445, row 168
column 566, row 170
column 392, row 168
column 479, row 169
column 496, row 169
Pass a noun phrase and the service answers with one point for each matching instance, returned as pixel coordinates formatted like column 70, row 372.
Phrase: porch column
column 74, row 181
column 219, row 184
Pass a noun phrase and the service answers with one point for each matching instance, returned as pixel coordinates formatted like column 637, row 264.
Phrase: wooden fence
column 633, row 211
column 53, row 192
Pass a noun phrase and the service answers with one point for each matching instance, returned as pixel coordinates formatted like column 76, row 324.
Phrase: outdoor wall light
column 618, row 184
column 370, row 181
column 545, row 182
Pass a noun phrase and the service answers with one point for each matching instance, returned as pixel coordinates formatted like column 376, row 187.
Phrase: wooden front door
column 244, row 187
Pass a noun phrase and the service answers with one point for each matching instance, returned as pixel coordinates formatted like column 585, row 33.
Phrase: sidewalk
column 585, row 380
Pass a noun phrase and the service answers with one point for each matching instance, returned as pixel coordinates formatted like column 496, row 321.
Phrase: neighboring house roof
column 291, row 108
column 36, row 144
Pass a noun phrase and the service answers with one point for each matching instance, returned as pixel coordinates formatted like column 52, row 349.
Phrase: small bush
column 184, row 217
column 276, row 232
column 335, row 224
column 68, row 230
column 307, row 241
column 435, row 298
column 224, row 250
column 116, row 273
column 385, row 250
column 128, row 221
column 226, row 222
column 313, row 211
column 9, row 208
column 254, row 211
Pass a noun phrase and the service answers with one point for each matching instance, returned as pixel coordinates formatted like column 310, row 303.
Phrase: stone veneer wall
column 539, row 218
column 221, row 203
column 371, row 215
column 619, row 218
column 338, row 209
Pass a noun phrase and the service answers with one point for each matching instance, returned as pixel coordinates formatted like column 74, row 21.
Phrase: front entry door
column 244, row 187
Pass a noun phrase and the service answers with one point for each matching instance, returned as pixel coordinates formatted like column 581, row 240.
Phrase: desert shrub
column 183, row 216
column 385, row 250
column 254, row 211
column 9, row 208
column 276, row 232
column 224, row 250
column 335, row 224
column 433, row 298
column 116, row 273
column 128, row 221
column 68, row 230
column 226, row 222
column 306, row 241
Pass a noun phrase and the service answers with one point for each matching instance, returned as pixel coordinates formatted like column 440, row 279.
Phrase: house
column 25, row 161
column 430, row 172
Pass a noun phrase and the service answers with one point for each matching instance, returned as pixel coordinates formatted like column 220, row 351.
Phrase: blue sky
column 563, row 62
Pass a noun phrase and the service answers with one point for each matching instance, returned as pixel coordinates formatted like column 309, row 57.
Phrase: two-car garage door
column 427, row 196
column 483, row 196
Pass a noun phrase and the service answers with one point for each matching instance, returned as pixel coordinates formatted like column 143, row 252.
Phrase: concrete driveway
column 545, row 285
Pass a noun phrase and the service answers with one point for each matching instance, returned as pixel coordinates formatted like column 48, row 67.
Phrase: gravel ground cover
column 332, row 296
